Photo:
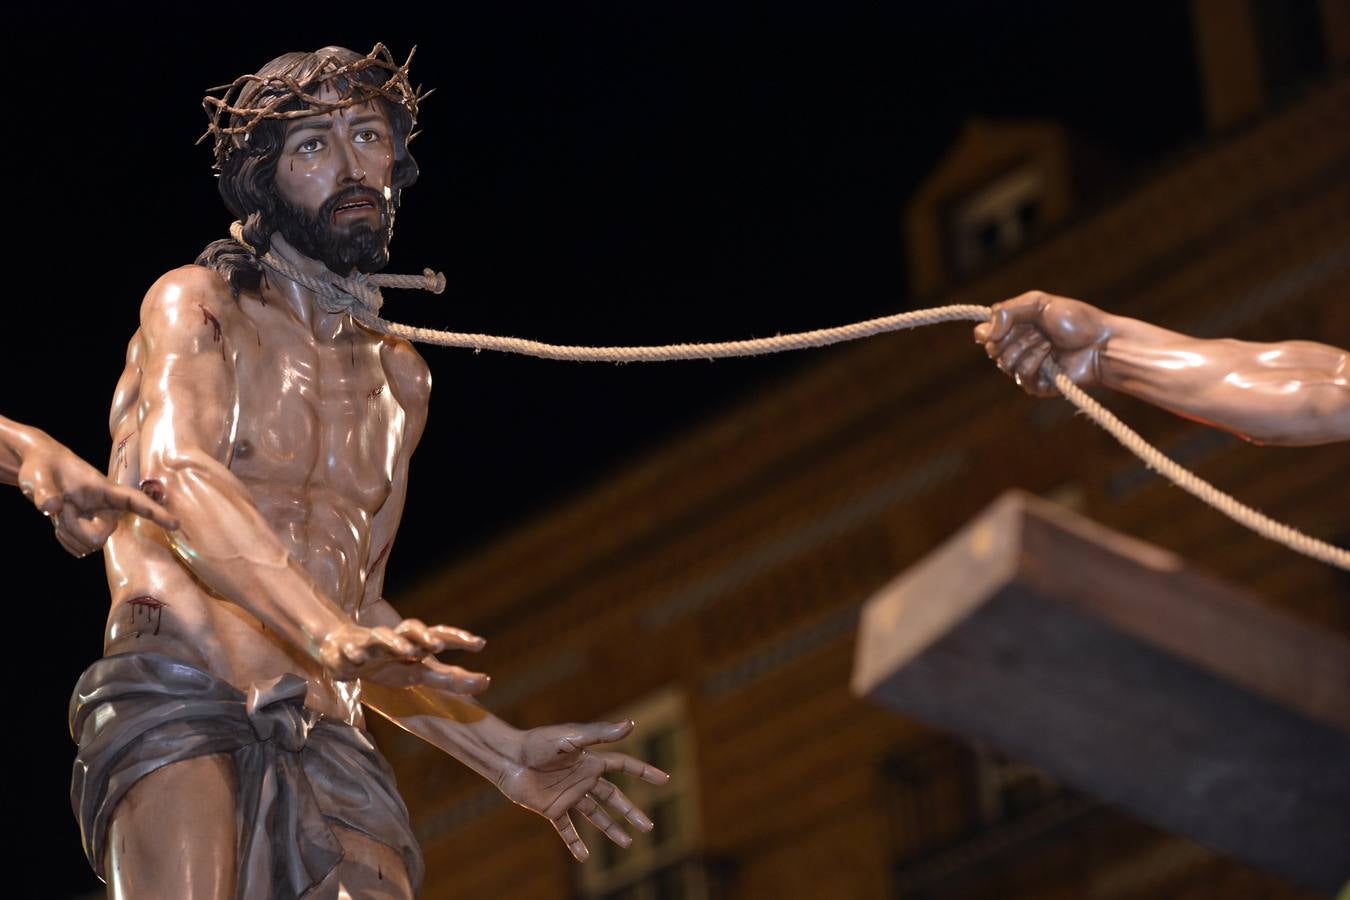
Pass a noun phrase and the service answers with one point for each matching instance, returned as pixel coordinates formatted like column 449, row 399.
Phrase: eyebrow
column 323, row 124
column 312, row 125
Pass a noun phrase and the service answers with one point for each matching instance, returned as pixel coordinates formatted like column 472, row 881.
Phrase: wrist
column 20, row 448
column 22, row 440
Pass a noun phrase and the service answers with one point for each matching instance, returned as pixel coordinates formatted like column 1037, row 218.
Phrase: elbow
column 1330, row 414
column 173, row 478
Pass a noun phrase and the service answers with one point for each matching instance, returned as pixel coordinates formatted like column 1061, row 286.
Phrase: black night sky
column 689, row 172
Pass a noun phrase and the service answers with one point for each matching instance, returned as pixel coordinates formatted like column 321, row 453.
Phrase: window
column 997, row 219
column 666, row 864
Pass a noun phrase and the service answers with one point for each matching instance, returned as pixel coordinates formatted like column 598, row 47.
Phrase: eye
column 308, row 145
column 366, row 136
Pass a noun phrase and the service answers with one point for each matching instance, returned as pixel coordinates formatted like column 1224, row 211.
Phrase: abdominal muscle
column 158, row 606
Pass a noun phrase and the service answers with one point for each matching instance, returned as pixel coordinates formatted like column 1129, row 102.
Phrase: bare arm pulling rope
column 1026, row 335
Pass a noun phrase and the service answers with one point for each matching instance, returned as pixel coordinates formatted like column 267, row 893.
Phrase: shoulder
column 183, row 289
column 182, row 296
column 187, row 308
column 408, row 373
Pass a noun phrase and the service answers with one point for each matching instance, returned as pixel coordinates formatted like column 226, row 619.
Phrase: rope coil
column 360, row 296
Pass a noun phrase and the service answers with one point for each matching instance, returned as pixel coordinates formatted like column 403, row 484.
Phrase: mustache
column 355, row 192
column 341, row 249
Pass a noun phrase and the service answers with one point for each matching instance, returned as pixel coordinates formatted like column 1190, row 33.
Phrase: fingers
column 354, row 646
column 607, row 793
column 383, row 655
column 599, row 733
column 568, row 832
column 453, row 678
column 438, row 638
column 1030, row 374
column 457, row 638
column 1045, row 382
column 596, row 815
column 72, row 545
column 79, row 537
column 628, row 765
column 37, row 486
column 74, row 483
column 1013, row 349
column 1024, row 309
column 120, row 497
column 383, row 641
column 91, row 532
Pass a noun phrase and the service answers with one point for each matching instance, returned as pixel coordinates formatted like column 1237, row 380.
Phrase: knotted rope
column 360, row 297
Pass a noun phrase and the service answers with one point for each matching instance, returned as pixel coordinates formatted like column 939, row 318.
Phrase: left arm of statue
column 83, row 505
column 549, row 770
column 552, row 770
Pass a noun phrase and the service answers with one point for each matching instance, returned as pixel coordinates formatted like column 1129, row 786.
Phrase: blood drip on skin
column 379, row 557
column 375, row 393
column 120, row 458
column 209, row 318
column 150, row 606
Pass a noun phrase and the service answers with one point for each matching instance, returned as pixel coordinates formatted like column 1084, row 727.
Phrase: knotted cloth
column 297, row 771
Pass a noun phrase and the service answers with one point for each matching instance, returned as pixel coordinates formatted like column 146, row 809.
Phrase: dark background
column 694, row 172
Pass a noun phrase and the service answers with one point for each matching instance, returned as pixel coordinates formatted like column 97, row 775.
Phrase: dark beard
column 356, row 247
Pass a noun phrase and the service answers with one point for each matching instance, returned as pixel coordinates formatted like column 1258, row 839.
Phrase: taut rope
column 360, row 297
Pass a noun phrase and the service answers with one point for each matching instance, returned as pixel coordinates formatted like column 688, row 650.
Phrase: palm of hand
column 554, row 772
column 556, row 775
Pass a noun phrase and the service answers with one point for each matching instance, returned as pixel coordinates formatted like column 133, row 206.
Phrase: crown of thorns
column 250, row 99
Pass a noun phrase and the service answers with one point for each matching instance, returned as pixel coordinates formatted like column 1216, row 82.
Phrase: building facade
column 712, row 591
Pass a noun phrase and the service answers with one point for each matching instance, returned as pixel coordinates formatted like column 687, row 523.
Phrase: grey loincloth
column 296, row 770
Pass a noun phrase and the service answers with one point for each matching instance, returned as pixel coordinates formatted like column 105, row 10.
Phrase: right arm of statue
column 1289, row 392
column 185, row 412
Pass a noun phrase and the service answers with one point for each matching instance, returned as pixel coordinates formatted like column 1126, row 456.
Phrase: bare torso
column 318, row 420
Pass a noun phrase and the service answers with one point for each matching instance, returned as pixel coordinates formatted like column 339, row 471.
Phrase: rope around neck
column 360, row 296
column 357, row 294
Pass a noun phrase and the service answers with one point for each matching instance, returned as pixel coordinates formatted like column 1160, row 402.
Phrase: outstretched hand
column 556, row 774
column 403, row 656
column 1028, row 330
column 83, row 505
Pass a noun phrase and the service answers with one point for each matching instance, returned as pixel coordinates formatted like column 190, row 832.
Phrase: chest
column 316, row 414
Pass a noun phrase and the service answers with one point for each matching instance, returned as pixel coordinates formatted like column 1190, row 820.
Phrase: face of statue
column 333, row 178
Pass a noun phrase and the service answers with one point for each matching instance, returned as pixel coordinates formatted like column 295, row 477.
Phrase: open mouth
column 355, row 206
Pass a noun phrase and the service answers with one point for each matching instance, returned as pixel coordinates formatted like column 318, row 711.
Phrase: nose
column 351, row 170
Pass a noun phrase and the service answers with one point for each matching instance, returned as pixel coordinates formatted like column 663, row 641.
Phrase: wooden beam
column 1115, row 668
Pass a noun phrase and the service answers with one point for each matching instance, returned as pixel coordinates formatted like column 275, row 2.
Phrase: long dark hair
column 248, row 170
